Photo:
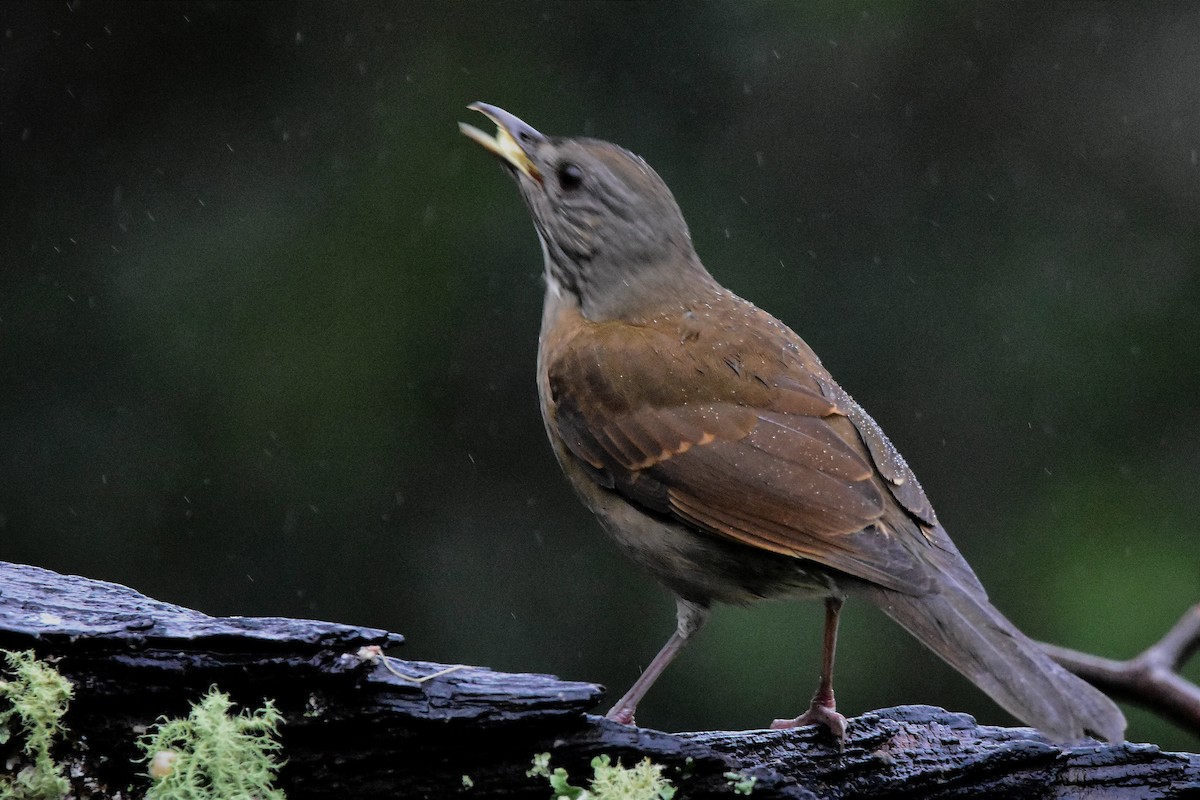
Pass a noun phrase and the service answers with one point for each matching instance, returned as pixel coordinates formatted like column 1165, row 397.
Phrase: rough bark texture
column 353, row 728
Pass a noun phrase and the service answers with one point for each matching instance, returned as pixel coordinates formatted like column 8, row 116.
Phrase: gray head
column 613, row 234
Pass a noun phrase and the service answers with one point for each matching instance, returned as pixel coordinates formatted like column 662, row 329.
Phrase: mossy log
column 355, row 727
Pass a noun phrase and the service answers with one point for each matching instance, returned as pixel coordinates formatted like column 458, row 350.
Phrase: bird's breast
column 694, row 564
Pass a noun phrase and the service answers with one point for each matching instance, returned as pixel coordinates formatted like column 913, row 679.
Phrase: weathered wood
column 926, row 752
column 58, row 608
column 354, row 728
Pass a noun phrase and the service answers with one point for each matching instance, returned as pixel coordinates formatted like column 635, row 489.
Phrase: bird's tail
column 960, row 625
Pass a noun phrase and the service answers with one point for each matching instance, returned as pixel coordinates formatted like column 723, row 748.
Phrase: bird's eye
column 570, row 176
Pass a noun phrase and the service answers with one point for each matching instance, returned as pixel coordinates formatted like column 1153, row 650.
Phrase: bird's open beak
column 511, row 139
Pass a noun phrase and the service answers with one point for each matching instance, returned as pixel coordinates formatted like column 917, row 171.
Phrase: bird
column 722, row 457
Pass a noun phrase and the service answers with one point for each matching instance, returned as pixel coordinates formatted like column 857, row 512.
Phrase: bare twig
column 1150, row 679
column 373, row 654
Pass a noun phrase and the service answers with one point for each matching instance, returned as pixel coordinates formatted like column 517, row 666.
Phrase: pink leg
column 690, row 618
column 822, row 709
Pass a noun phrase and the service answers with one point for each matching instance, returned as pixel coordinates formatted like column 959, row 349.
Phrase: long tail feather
column 960, row 625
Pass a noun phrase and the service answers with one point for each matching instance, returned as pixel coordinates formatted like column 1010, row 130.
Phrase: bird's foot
column 621, row 715
column 817, row 714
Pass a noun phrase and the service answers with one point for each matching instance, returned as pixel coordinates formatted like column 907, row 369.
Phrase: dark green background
column 268, row 322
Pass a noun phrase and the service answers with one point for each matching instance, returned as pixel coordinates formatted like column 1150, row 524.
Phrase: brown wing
column 692, row 426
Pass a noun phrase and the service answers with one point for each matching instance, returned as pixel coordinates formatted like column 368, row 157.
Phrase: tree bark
column 356, row 726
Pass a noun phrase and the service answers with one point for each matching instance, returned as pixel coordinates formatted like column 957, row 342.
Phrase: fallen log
column 357, row 723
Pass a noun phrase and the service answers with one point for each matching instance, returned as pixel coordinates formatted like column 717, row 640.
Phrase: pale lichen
column 643, row 781
column 33, row 701
column 214, row 754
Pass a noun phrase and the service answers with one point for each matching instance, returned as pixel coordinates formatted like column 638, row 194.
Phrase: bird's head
column 612, row 233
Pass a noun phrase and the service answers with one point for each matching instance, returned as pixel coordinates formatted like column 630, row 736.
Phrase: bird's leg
column 822, row 709
column 690, row 617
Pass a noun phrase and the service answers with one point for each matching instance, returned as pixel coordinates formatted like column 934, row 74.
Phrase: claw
column 817, row 714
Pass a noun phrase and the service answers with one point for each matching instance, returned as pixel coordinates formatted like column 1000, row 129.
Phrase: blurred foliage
column 269, row 322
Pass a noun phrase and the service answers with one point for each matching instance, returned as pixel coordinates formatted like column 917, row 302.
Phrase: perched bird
column 721, row 455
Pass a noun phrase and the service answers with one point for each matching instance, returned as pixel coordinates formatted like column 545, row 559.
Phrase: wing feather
column 788, row 464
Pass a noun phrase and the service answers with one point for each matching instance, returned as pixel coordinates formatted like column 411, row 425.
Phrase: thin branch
column 1152, row 678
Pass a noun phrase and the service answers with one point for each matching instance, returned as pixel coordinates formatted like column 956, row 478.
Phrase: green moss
column 33, row 701
column 644, row 781
column 214, row 754
column 741, row 784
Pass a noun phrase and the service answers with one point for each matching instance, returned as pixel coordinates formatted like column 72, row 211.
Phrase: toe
column 621, row 715
column 817, row 715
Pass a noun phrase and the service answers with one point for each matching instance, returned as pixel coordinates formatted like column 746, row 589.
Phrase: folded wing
column 787, row 464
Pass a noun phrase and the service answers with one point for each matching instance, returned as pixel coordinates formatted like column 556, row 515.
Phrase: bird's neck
column 605, row 293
